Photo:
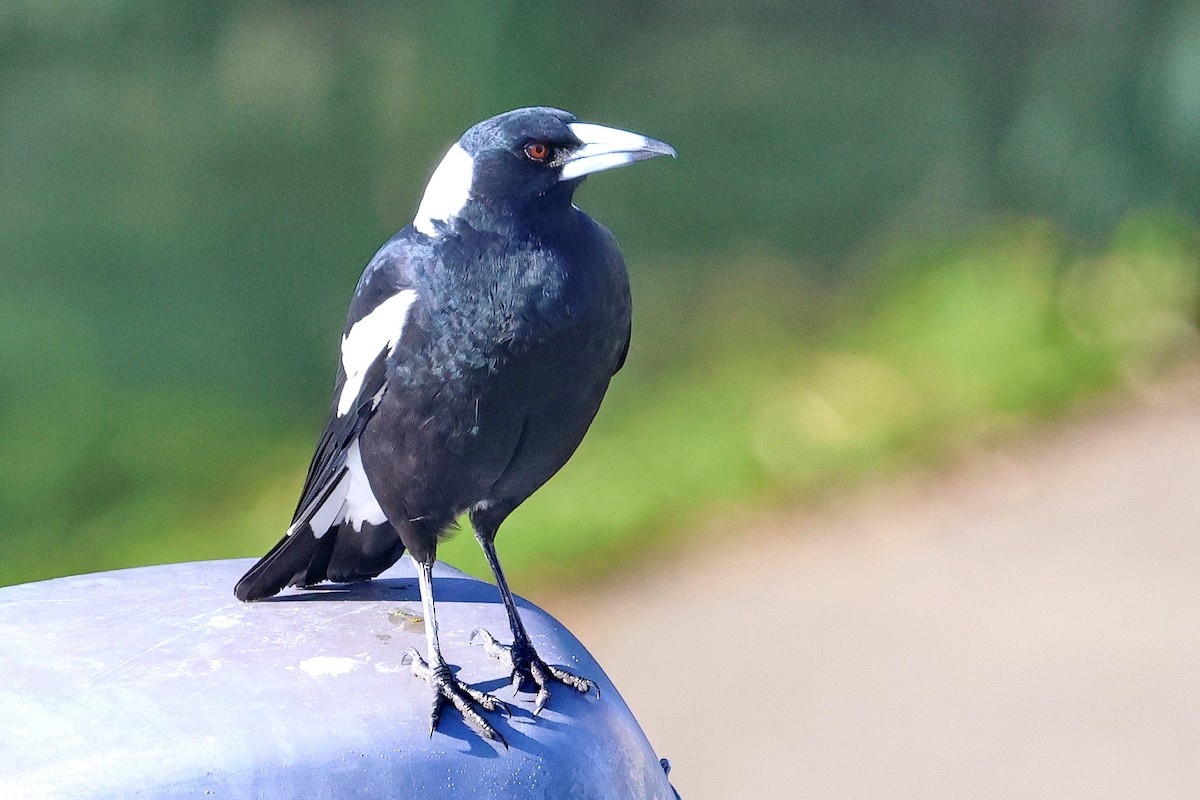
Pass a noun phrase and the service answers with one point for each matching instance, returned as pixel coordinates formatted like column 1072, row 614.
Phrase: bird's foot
column 527, row 665
column 447, row 689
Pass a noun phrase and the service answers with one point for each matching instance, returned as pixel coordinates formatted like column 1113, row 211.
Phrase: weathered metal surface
column 156, row 682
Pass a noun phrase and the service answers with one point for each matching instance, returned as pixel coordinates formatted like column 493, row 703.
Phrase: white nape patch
column 447, row 192
column 369, row 336
column 603, row 148
column 361, row 505
column 328, row 665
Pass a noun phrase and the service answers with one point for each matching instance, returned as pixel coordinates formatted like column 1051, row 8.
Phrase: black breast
column 511, row 352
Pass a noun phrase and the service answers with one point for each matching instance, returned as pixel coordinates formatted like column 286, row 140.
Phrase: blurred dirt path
column 1026, row 625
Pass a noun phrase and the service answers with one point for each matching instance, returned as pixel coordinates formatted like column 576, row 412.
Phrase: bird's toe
column 449, row 690
column 528, row 666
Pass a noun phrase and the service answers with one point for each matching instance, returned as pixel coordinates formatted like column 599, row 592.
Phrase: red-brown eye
column 538, row 151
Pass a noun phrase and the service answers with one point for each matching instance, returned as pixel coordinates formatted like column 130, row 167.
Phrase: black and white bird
column 479, row 343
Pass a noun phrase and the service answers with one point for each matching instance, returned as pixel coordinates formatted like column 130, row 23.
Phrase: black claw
column 539, row 703
column 497, row 736
column 435, row 713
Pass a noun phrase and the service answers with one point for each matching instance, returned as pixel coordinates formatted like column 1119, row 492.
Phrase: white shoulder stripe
column 367, row 339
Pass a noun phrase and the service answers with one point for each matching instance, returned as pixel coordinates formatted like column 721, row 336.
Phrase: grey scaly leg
column 436, row 672
column 526, row 664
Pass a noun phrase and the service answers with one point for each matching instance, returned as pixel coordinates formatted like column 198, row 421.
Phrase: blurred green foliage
column 896, row 227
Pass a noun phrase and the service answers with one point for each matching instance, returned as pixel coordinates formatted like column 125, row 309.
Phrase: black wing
column 377, row 314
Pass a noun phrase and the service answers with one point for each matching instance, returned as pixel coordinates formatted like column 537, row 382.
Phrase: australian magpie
column 478, row 346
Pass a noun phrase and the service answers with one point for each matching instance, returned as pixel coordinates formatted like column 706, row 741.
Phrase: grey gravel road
column 1025, row 625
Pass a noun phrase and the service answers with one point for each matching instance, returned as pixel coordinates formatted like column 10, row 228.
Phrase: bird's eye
column 537, row 151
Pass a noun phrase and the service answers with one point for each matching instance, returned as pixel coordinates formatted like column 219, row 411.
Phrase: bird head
column 523, row 156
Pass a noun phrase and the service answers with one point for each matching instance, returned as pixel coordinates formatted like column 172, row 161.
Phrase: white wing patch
column 366, row 340
column 447, row 192
column 351, row 499
column 361, row 505
column 332, row 510
column 330, row 513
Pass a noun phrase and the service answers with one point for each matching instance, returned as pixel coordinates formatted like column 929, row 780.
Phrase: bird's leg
column 436, row 672
column 526, row 664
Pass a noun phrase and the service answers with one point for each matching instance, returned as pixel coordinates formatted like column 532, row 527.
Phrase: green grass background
column 951, row 345
column 896, row 230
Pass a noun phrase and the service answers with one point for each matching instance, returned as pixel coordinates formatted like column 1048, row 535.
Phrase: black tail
column 301, row 559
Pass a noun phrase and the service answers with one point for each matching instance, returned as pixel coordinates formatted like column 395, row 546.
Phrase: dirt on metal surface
column 1024, row 625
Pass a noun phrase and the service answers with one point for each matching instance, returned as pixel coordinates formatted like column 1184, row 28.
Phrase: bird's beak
column 605, row 148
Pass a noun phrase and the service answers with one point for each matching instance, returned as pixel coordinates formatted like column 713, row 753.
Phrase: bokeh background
column 899, row 231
